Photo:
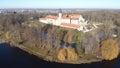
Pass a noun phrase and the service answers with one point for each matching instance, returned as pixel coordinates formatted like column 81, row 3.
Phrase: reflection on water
column 12, row 57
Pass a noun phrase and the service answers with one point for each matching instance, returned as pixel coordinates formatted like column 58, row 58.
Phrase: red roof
column 52, row 17
column 71, row 16
column 76, row 26
column 66, row 16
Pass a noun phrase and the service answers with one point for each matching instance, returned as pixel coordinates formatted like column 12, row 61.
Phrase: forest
column 60, row 44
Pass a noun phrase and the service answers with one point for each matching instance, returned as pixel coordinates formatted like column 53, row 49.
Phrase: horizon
column 53, row 4
column 59, row 8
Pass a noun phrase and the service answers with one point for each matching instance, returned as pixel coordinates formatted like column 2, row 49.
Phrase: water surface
column 12, row 57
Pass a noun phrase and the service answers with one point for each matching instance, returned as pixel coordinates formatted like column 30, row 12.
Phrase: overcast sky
column 114, row 4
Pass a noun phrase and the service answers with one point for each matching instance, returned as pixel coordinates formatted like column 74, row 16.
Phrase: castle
column 74, row 21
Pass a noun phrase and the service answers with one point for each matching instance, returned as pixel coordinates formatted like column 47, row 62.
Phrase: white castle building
column 74, row 21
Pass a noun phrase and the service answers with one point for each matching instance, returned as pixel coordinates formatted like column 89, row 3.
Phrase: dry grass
column 7, row 35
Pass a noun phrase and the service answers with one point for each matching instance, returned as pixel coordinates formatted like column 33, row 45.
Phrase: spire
column 60, row 10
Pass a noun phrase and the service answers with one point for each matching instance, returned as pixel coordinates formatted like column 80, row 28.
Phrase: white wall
column 75, row 21
column 65, row 20
column 44, row 21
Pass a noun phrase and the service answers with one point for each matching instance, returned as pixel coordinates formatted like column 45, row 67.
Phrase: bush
column 78, row 36
column 71, row 54
column 109, row 49
column 79, row 49
column 67, row 53
column 61, row 55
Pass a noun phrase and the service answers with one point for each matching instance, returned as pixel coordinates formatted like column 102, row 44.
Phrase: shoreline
column 40, row 56
column 37, row 54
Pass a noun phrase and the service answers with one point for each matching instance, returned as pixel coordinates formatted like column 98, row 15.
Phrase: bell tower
column 60, row 14
column 59, row 17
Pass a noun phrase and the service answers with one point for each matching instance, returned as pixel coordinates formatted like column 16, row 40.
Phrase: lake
column 12, row 57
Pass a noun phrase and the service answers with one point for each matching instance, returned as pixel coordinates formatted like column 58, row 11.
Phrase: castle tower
column 59, row 17
column 60, row 14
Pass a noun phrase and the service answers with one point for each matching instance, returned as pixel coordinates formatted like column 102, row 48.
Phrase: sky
column 112, row 4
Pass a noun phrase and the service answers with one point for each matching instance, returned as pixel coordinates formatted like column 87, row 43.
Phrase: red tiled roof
column 76, row 26
column 71, row 16
column 66, row 16
column 52, row 17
